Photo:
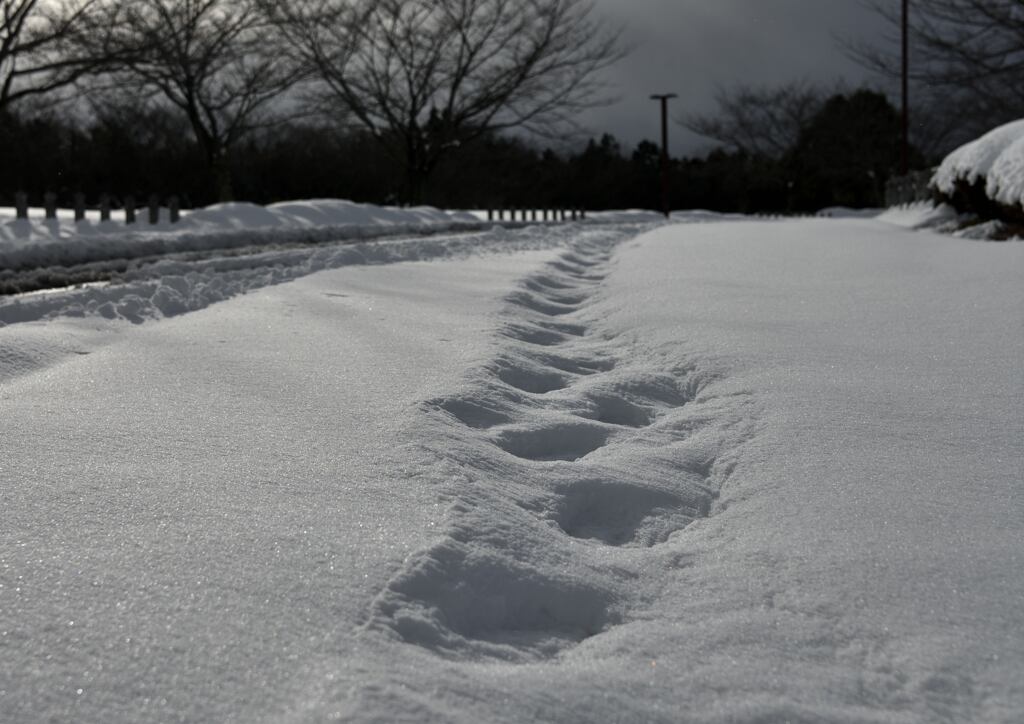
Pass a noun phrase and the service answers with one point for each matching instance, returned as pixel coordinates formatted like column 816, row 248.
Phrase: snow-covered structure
column 987, row 174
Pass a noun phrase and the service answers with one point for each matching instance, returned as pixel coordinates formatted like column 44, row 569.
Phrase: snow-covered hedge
column 986, row 175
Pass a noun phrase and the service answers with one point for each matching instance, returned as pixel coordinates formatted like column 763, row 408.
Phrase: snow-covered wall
column 995, row 159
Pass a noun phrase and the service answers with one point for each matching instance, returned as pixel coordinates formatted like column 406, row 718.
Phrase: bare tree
column 217, row 61
column 425, row 76
column 966, row 64
column 761, row 121
column 37, row 55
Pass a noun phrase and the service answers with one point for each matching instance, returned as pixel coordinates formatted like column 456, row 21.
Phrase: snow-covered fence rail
column 105, row 207
column 915, row 186
column 532, row 214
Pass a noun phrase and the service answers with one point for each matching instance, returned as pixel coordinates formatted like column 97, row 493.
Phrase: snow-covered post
column 173, row 209
column 129, row 209
column 50, row 204
column 79, row 207
column 21, row 204
column 104, row 207
column 154, row 209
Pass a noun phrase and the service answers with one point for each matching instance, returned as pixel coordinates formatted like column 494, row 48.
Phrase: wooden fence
column 536, row 214
column 106, row 206
column 152, row 208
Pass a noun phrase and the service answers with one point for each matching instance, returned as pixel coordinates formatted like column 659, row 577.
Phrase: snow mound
column 233, row 216
column 37, row 242
column 173, row 286
column 316, row 213
column 639, row 216
column 997, row 158
column 1005, row 182
column 845, row 212
column 920, row 215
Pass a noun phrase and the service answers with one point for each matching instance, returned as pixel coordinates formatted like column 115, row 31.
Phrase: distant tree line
column 841, row 154
column 421, row 78
column 432, row 101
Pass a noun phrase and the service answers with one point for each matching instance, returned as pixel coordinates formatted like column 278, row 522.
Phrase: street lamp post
column 905, row 92
column 664, row 98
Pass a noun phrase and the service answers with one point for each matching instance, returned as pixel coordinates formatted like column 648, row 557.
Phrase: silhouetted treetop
column 427, row 76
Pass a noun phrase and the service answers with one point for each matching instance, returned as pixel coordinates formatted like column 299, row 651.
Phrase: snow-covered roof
column 997, row 158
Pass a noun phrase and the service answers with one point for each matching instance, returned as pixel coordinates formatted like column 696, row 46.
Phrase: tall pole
column 664, row 98
column 905, row 91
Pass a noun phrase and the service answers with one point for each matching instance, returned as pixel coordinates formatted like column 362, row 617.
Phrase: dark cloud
column 690, row 47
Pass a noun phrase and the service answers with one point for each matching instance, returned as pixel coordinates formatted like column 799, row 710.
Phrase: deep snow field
column 739, row 471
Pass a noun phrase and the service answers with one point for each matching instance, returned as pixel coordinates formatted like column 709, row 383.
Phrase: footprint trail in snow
column 569, row 466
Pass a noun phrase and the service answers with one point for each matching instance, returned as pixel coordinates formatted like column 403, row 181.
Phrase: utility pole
column 664, row 98
column 905, row 90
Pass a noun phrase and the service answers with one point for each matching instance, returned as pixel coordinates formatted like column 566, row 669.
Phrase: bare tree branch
column 966, row 64
column 217, row 61
column 38, row 52
column 760, row 121
column 428, row 75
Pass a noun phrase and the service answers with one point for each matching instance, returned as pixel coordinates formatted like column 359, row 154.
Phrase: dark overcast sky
column 691, row 46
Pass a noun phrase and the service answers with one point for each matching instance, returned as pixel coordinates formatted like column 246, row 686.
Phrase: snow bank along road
column 721, row 472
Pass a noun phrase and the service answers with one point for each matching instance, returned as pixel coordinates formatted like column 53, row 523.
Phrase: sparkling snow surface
column 757, row 471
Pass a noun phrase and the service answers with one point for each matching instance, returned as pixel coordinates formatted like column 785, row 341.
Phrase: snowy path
column 194, row 506
column 723, row 472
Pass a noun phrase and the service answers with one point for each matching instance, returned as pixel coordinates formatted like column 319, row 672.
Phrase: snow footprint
column 559, row 295
column 577, row 272
column 536, row 334
column 615, row 410
column 534, row 303
column 466, row 602
column 567, row 441
column 624, row 514
column 470, row 411
column 535, row 379
column 576, row 365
